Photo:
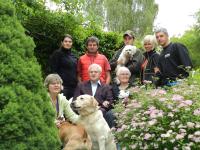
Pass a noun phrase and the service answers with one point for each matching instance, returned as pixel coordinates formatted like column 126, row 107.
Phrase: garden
column 164, row 118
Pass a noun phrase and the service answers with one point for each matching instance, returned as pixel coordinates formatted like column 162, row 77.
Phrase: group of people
column 91, row 73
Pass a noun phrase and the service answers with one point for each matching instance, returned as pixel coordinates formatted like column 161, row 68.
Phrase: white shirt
column 94, row 86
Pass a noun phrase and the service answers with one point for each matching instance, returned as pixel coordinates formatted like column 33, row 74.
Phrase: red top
column 86, row 60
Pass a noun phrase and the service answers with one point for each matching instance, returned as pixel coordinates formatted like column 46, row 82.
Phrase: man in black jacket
column 174, row 60
column 134, row 65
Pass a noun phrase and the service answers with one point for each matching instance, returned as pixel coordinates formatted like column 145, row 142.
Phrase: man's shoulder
column 101, row 55
column 178, row 46
column 83, row 57
column 84, row 83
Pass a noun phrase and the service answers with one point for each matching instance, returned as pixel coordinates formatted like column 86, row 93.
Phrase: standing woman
column 64, row 63
column 149, row 66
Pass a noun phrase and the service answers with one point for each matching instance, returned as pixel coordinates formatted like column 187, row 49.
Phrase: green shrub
column 27, row 118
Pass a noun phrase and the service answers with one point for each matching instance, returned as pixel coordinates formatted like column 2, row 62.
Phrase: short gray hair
column 98, row 67
column 161, row 29
column 52, row 78
column 123, row 69
column 151, row 39
column 92, row 39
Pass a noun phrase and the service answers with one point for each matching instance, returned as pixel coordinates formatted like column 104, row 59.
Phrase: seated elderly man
column 102, row 92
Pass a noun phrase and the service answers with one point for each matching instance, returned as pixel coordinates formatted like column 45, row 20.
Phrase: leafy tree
column 118, row 16
column 27, row 118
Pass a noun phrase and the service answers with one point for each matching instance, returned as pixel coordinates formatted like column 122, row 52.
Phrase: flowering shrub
column 166, row 118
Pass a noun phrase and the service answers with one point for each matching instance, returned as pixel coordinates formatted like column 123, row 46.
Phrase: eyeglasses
column 124, row 74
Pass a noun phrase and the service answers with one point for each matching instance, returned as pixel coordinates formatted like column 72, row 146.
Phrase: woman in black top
column 150, row 64
column 121, row 90
column 64, row 63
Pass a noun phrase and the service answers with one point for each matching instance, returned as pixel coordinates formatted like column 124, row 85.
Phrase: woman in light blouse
column 53, row 83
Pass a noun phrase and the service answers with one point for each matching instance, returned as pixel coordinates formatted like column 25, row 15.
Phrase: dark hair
column 67, row 36
column 92, row 39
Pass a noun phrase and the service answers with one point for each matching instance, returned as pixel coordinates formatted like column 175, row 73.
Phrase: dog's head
column 85, row 103
column 129, row 50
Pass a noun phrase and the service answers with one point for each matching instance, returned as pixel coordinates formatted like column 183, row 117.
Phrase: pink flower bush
column 160, row 118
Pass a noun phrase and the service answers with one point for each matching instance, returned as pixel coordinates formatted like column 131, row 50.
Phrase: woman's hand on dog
column 59, row 121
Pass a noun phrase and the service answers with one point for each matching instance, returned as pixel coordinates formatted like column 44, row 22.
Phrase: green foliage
column 121, row 15
column 27, row 118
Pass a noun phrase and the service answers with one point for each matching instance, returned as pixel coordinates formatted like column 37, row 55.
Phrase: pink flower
column 197, row 112
column 134, row 104
column 177, row 97
column 180, row 136
column 157, row 92
column 162, row 99
column 188, row 102
column 122, row 128
column 152, row 122
column 147, row 136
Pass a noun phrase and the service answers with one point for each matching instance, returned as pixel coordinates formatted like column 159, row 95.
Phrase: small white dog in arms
column 127, row 54
column 94, row 123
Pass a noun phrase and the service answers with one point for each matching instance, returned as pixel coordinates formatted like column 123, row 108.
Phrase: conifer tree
column 26, row 115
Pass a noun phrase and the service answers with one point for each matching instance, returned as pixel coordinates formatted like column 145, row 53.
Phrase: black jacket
column 148, row 72
column 64, row 63
column 173, row 61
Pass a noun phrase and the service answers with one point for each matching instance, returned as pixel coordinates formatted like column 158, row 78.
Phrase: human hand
column 106, row 104
column 59, row 121
column 120, row 62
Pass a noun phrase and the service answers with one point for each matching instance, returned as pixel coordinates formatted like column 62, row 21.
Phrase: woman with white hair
column 149, row 66
column 53, row 83
column 120, row 91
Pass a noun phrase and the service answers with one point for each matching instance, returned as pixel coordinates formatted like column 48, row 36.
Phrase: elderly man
column 92, row 56
column 102, row 92
column 134, row 64
column 174, row 59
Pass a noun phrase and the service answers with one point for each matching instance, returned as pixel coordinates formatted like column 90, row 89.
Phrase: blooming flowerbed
column 167, row 118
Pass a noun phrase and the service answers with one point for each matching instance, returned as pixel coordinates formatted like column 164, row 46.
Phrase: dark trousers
column 109, row 117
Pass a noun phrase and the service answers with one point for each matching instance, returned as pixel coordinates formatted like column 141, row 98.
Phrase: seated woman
column 120, row 91
column 150, row 64
column 53, row 83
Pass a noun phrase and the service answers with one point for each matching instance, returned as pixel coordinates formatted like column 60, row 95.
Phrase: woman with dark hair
column 64, row 63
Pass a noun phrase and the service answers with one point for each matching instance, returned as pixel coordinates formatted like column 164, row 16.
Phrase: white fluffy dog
column 127, row 54
column 94, row 123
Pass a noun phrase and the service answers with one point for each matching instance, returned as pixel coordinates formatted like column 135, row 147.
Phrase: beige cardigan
column 65, row 109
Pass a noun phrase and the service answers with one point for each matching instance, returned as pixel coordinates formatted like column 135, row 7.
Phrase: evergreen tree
column 26, row 115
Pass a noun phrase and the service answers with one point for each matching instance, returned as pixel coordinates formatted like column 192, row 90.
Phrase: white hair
column 151, row 39
column 98, row 67
column 123, row 69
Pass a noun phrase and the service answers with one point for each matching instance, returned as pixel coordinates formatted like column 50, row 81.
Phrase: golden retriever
column 74, row 137
column 94, row 123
